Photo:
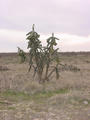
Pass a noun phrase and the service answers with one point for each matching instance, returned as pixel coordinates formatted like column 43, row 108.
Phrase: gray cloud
column 69, row 19
column 69, row 16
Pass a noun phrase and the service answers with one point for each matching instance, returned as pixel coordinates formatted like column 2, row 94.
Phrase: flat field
column 22, row 97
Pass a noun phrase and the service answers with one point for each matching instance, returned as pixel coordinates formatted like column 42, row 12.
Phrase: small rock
column 36, row 119
column 85, row 102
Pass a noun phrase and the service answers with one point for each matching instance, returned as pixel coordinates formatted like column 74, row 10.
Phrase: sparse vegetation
column 4, row 68
column 67, row 98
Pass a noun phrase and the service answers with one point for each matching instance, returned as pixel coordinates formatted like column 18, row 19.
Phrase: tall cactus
column 40, row 58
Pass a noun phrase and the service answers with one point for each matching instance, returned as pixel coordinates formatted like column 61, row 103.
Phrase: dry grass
column 21, row 96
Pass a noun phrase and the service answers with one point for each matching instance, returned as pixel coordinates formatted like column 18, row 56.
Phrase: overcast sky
column 68, row 19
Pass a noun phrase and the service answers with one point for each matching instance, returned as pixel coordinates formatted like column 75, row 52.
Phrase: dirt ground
column 68, row 98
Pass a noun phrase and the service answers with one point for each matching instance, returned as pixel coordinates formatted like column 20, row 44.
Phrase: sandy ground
column 68, row 98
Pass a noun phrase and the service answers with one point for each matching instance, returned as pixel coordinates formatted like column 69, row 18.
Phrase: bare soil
column 22, row 97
